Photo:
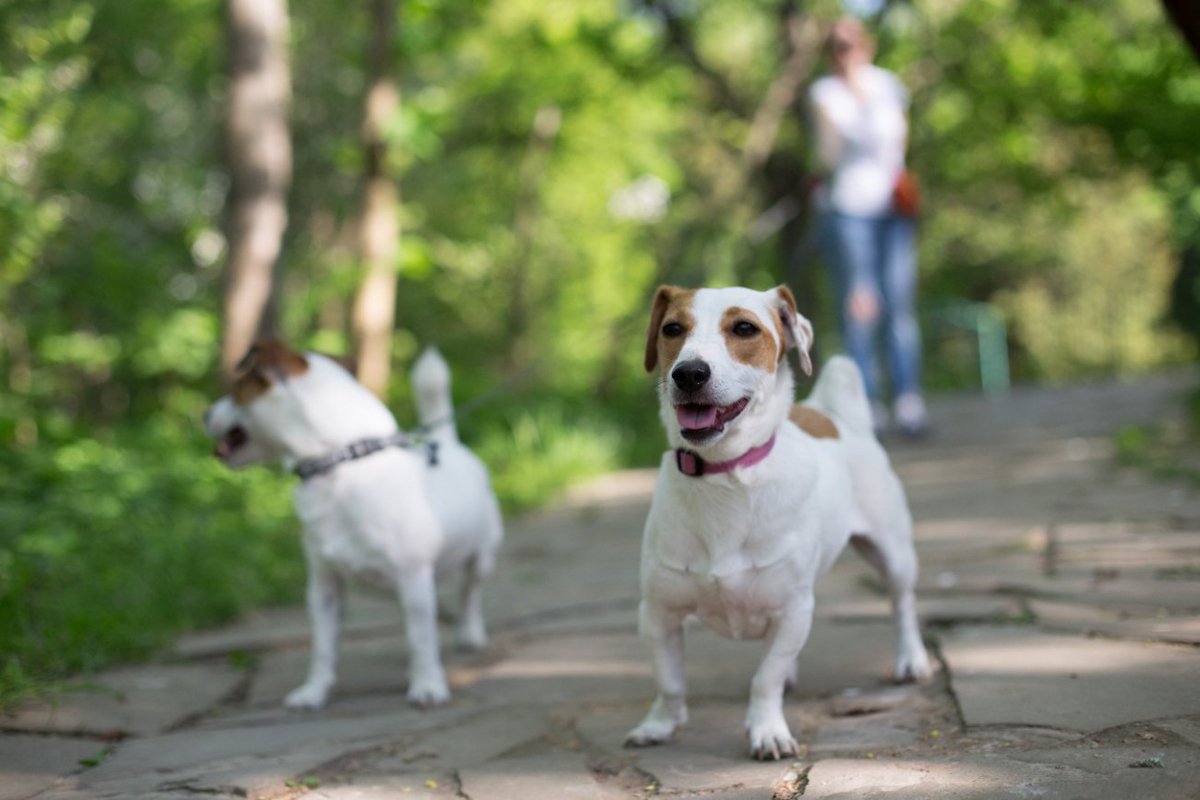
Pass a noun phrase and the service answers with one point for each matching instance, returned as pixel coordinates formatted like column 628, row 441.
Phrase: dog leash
column 319, row 465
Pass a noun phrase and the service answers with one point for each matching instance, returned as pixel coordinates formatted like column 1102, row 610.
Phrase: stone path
column 1061, row 595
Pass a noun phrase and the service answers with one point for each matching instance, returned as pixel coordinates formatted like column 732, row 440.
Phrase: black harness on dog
column 308, row 468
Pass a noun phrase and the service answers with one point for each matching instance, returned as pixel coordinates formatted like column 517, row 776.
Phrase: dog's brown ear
column 662, row 299
column 277, row 360
column 797, row 331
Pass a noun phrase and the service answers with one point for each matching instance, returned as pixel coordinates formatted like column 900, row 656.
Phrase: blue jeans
column 874, row 265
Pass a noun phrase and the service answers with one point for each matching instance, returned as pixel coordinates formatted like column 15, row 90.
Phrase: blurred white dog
column 373, row 509
column 758, row 497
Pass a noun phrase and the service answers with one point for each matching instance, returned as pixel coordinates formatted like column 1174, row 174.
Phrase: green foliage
column 108, row 548
column 542, row 449
column 1061, row 171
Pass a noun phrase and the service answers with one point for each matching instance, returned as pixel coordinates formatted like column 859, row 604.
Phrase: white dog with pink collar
column 757, row 498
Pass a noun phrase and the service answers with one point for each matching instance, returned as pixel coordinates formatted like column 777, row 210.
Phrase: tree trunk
column 1185, row 15
column 259, row 155
column 374, row 315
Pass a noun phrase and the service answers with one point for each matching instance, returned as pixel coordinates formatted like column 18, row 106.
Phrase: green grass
column 110, row 548
column 540, row 450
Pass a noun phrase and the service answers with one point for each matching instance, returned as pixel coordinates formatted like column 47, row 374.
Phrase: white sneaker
column 910, row 413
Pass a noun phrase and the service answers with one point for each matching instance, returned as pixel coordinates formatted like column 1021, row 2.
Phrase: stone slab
column 612, row 667
column 31, row 764
column 131, row 701
column 481, row 738
column 709, row 753
column 1082, row 618
column 377, row 664
column 1023, row 676
column 249, row 759
column 554, row 776
column 1063, row 775
column 367, row 613
column 933, row 609
column 384, row 787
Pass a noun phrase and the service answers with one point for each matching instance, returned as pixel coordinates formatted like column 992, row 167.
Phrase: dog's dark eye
column 745, row 329
column 672, row 329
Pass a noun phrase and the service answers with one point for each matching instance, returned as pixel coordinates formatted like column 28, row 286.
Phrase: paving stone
column 367, row 613
column 554, row 776
column 30, row 764
column 856, row 702
column 137, row 700
column 710, row 752
column 385, row 787
column 615, row 668
column 1024, row 676
column 1092, row 619
column 878, row 733
column 481, row 738
column 1120, row 591
column 372, row 665
column 251, row 759
column 1064, row 776
column 932, row 609
column 1185, row 728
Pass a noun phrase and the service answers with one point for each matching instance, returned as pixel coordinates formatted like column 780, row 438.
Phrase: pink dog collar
column 690, row 463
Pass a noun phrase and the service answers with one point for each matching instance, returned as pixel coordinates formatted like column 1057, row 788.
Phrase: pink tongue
column 695, row 418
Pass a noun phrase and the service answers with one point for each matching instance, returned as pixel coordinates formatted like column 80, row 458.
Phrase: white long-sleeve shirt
column 860, row 139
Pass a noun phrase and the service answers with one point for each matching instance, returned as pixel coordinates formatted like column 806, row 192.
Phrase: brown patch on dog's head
column 671, row 320
column 814, row 423
column 266, row 363
column 747, row 340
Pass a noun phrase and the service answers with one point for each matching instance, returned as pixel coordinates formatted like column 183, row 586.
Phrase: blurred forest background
column 509, row 180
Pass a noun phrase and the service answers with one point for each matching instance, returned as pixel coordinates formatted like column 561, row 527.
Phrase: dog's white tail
column 431, row 386
column 840, row 391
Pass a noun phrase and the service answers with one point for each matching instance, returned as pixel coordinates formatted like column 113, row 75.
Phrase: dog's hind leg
column 324, row 597
column 472, row 633
column 896, row 561
column 427, row 680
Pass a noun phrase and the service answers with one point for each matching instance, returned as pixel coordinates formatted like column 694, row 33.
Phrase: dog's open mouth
column 698, row 422
column 232, row 441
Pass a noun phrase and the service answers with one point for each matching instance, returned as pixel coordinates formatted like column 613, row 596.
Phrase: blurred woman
column 860, row 125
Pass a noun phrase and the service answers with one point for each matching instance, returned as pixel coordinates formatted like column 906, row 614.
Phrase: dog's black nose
column 691, row 375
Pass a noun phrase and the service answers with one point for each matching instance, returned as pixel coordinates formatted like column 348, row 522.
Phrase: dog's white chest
column 730, row 605
column 728, row 558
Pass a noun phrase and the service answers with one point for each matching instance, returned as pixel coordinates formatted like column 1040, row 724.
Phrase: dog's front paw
column 650, row 732
column 913, row 666
column 770, row 737
column 660, row 724
column 307, row 697
column 773, row 746
column 428, row 691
